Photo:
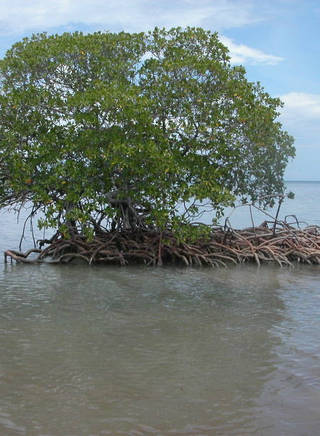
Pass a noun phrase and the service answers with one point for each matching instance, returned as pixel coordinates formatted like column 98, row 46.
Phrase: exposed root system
column 271, row 242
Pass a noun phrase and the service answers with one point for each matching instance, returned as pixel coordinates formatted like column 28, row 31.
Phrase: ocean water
column 305, row 207
column 161, row 351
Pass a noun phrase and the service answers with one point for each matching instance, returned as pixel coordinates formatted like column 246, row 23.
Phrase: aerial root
column 260, row 245
column 21, row 257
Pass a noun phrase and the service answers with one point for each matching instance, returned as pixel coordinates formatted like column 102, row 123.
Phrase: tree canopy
column 134, row 130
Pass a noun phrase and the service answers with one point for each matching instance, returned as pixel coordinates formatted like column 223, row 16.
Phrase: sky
column 277, row 41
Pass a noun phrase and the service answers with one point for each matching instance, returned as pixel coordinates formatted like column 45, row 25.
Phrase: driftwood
column 273, row 242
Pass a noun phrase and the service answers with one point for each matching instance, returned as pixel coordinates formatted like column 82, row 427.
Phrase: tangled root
column 280, row 244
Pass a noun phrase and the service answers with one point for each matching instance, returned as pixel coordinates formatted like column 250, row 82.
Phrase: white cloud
column 19, row 16
column 301, row 117
column 300, row 105
column 242, row 54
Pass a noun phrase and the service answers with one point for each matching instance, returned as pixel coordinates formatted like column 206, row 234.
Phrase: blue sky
column 276, row 40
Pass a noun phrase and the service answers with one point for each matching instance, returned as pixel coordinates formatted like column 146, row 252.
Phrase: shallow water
column 158, row 351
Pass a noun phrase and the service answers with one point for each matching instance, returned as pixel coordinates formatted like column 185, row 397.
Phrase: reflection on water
column 158, row 351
